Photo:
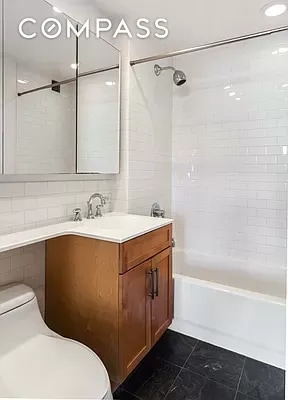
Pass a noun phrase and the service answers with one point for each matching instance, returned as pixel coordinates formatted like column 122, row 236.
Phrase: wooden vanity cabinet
column 115, row 298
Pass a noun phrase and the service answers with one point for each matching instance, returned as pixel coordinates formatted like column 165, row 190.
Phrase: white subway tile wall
column 35, row 204
column 230, row 162
column 26, row 265
column 146, row 132
column 150, row 141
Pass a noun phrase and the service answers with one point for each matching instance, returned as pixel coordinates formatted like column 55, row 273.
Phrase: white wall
column 150, row 147
column 230, row 159
column 146, row 129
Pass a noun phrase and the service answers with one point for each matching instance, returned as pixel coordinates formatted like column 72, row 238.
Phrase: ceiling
column 191, row 22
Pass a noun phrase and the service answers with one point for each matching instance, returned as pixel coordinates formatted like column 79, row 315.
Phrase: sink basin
column 118, row 228
column 117, row 222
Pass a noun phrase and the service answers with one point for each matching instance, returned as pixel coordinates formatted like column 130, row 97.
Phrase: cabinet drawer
column 138, row 250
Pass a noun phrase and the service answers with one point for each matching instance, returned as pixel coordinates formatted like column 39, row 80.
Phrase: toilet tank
column 20, row 318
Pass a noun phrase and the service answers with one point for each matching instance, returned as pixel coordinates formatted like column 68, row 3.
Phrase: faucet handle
column 77, row 216
column 98, row 211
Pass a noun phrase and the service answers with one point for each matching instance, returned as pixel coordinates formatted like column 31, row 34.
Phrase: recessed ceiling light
column 274, row 9
column 227, row 87
column 74, row 66
column 238, row 99
column 231, row 94
column 22, row 81
column 281, row 50
column 285, row 85
column 110, row 83
column 57, row 10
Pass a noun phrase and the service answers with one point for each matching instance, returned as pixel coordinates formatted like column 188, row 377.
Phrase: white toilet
column 35, row 362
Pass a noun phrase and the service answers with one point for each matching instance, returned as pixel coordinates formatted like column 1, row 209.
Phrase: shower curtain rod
column 64, row 82
column 209, row 45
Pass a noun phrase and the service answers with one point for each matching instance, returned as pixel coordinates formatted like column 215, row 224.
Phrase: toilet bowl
column 35, row 362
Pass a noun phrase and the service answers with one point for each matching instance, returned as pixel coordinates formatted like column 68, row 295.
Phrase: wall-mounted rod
column 70, row 80
column 209, row 45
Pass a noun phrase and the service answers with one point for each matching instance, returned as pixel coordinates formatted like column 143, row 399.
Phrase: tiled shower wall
column 230, row 145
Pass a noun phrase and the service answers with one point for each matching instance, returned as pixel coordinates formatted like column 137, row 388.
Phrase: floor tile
column 189, row 386
column 174, row 347
column 241, row 396
column 262, row 382
column 121, row 394
column 216, row 363
column 152, row 379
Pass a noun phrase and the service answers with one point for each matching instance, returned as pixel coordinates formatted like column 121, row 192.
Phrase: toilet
column 36, row 362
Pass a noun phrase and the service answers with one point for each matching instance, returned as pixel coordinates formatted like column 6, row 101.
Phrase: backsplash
column 33, row 204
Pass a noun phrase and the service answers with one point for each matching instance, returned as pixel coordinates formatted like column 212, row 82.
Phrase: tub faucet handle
column 156, row 211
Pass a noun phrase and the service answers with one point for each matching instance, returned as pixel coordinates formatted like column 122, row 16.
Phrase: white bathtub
column 226, row 314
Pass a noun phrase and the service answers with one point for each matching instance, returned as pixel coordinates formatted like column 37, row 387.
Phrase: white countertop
column 113, row 227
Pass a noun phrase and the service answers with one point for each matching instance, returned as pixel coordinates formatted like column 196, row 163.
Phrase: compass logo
column 52, row 28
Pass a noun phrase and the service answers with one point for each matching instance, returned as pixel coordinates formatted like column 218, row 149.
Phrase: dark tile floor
column 183, row 368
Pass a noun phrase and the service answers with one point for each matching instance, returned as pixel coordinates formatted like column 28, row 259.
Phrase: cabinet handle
column 152, row 294
column 157, row 282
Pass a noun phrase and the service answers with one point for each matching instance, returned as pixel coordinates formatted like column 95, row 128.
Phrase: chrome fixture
column 77, row 215
column 156, row 211
column 98, row 212
column 179, row 77
column 209, row 45
column 70, row 80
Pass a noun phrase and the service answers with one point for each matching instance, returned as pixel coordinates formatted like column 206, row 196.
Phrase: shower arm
column 168, row 67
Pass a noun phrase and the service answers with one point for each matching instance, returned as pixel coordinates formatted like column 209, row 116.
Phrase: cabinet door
column 135, row 317
column 162, row 303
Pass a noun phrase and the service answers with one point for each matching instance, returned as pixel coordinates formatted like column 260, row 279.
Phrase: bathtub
column 230, row 308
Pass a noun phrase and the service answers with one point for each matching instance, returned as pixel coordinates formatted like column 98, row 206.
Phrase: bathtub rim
column 233, row 290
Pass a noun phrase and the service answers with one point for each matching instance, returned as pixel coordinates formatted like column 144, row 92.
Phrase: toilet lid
column 52, row 367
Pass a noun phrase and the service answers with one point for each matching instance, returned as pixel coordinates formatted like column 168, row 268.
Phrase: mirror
column 98, row 111
column 60, row 111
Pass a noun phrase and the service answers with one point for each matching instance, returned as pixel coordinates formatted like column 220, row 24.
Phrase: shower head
column 179, row 77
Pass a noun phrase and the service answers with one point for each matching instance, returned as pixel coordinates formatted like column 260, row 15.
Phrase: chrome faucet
column 98, row 212
column 156, row 211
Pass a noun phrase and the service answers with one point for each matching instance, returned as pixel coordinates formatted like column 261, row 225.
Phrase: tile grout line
column 237, row 388
column 194, row 347
column 181, row 369
column 168, row 391
column 137, row 397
